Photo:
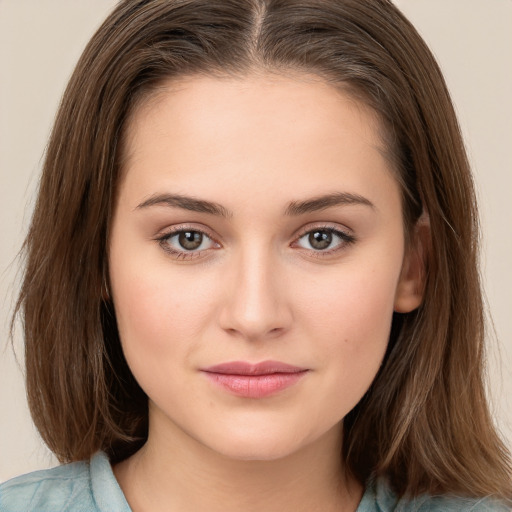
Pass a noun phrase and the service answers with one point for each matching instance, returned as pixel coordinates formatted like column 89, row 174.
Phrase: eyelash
column 346, row 239
column 164, row 239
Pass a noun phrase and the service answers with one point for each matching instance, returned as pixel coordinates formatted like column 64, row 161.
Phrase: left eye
column 187, row 241
column 324, row 239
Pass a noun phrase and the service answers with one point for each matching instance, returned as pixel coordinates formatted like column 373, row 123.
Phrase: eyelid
column 323, row 226
column 185, row 226
column 168, row 233
column 345, row 234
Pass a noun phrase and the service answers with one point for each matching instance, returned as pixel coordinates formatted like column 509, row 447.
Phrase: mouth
column 254, row 380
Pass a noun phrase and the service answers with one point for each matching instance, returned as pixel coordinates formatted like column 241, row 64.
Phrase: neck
column 178, row 473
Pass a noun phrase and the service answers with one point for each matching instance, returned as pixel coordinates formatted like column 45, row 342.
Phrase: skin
column 257, row 290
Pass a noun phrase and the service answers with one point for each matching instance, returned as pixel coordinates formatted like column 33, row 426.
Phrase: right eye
column 186, row 243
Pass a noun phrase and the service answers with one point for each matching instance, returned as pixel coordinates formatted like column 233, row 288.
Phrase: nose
column 256, row 305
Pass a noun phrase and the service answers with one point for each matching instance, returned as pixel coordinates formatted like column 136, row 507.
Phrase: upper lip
column 245, row 368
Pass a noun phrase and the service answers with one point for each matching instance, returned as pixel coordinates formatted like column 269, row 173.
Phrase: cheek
column 350, row 324
column 158, row 312
column 354, row 304
column 160, row 318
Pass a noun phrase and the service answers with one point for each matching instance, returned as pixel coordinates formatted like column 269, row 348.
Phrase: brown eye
column 190, row 240
column 187, row 242
column 320, row 239
column 324, row 240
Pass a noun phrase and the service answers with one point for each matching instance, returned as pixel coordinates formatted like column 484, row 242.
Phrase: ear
column 411, row 285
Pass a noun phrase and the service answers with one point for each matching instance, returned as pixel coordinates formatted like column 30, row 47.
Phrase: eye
column 324, row 239
column 186, row 243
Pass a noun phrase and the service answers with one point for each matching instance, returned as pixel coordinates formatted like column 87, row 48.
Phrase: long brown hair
column 424, row 423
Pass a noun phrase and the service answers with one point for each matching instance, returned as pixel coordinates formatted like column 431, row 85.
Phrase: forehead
column 206, row 131
column 202, row 103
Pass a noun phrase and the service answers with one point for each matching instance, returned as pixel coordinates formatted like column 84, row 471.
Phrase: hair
column 424, row 423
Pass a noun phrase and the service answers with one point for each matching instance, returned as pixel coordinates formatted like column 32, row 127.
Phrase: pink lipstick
column 254, row 380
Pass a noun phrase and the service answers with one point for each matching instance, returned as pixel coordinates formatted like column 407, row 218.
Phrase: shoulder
column 49, row 490
column 454, row 504
column 384, row 500
column 75, row 487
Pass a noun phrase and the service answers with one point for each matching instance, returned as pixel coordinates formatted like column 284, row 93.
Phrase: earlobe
column 411, row 285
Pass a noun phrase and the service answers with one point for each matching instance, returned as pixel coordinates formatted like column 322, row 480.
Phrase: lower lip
column 255, row 386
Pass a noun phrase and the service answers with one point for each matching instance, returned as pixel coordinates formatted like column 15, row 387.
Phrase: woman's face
column 257, row 222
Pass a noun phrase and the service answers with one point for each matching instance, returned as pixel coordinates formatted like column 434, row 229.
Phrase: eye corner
column 181, row 253
column 330, row 233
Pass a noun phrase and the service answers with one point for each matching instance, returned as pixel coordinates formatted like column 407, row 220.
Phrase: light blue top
column 92, row 487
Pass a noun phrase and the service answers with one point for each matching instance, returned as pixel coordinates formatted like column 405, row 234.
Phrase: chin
column 257, row 451
column 263, row 444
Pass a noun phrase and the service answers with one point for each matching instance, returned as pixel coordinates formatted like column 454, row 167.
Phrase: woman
column 252, row 266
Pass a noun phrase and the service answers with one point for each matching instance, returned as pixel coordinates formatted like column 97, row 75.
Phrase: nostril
column 255, row 334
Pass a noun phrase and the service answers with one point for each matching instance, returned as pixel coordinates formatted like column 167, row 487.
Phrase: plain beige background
column 40, row 41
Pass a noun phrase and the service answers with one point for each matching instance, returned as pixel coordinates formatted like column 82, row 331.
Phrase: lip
column 254, row 380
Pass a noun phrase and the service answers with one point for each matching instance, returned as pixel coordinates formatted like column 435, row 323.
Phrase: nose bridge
column 256, row 305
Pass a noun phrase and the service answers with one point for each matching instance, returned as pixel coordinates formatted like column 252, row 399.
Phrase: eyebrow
column 327, row 201
column 294, row 208
column 187, row 203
